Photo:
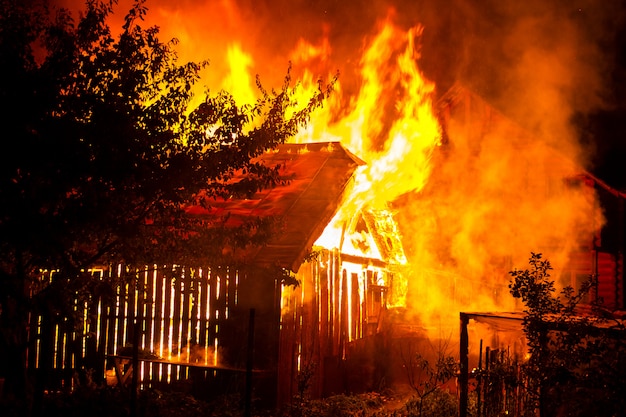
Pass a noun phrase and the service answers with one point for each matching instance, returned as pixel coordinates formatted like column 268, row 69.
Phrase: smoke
column 550, row 53
column 493, row 198
column 540, row 63
column 497, row 193
column 543, row 63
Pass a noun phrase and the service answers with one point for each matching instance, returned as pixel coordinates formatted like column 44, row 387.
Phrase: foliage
column 337, row 406
column 576, row 365
column 100, row 401
column 305, row 378
column 427, row 378
column 114, row 402
column 155, row 403
column 440, row 403
column 496, row 391
column 102, row 154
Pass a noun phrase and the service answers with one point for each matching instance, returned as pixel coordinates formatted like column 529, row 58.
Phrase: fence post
column 249, row 364
column 135, row 367
column 463, row 365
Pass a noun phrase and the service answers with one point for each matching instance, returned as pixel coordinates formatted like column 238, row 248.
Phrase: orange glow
column 394, row 133
column 469, row 211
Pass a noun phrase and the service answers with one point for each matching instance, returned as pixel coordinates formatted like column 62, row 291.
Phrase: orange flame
column 238, row 81
column 390, row 123
column 484, row 206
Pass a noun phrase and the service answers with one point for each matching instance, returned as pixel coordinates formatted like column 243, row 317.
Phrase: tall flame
column 390, row 123
column 238, row 81
column 480, row 204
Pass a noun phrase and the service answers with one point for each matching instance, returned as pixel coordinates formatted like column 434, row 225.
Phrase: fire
column 239, row 82
column 394, row 133
column 390, row 123
column 480, row 213
column 475, row 208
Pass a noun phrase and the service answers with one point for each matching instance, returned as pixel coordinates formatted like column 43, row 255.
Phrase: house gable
column 316, row 175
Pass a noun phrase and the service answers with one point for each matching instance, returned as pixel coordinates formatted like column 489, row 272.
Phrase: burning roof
column 317, row 176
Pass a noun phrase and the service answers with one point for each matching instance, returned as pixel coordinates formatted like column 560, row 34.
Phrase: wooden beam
column 464, row 362
column 361, row 260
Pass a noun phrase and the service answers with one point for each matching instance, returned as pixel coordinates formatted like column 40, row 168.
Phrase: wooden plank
column 363, row 260
column 314, row 358
column 194, row 300
column 107, row 320
column 111, row 320
column 154, row 294
column 94, row 360
column 287, row 353
column 158, row 312
column 325, row 342
column 175, row 317
column 336, row 276
column 101, row 333
column 142, row 325
column 213, row 307
column 148, row 318
column 34, row 341
column 72, row 347
column 220, row 304
column 322, row 279
column 168, row 293
column 119, row 331
column 343, row 318
column 147, row 302
column 176, row 339
column 186, row 341
column 131, row 314
column 203, row 294
column 167, row 322
column 305, row 324
column 607, row 279
column 332, row 303
column 356, row 307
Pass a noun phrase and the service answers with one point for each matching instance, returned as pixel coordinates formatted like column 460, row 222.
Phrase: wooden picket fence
column 176, row 316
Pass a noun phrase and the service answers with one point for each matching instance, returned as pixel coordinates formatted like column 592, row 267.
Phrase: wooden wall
column 336, row 306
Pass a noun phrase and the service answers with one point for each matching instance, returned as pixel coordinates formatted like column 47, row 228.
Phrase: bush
column 93, row 402
column 439, row 403
column 577, row 365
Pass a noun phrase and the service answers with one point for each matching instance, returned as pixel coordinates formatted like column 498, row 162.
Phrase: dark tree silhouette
column 102, row 153
column 576, row 363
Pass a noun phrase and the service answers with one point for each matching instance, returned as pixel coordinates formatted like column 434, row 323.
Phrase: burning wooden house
column 496, row 194
column 212, row 325
column 494, row 338
column 595, row 247
column 329, row 333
